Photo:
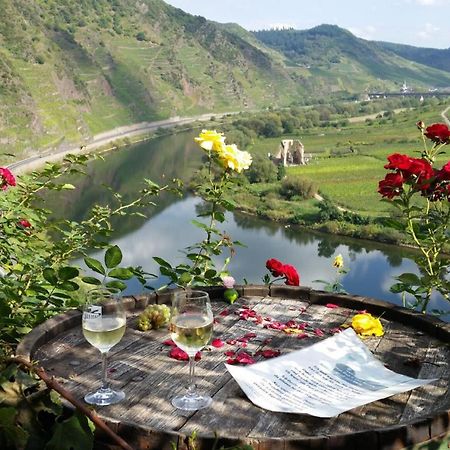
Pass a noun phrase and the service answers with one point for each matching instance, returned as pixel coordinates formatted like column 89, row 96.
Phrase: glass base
column 104, row 397
column 192, row 402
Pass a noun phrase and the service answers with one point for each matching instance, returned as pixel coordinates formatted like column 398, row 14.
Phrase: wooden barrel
column 413, row 344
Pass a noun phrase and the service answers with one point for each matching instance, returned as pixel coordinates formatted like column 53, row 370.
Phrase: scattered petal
column 331, row 306
column 318, row 332
column 230, row 353
column 302, row 336
column 224, row 313
column 250, row 335
column 217, row 343
column 231, row 341
column 269, row 353
column 169, row 342
column 181, row 355
column 336, row 330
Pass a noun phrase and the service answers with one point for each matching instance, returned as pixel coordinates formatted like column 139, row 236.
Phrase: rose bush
column 421, row 192
column 223, row 161
column 282, row 271
column 37, row 279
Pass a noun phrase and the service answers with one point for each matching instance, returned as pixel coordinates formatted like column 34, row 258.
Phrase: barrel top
column 413, row 345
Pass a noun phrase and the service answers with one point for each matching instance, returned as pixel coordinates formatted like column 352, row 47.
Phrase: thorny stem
column 53, row 384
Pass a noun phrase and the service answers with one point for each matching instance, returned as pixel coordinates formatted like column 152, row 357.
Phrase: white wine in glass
column 191, row 326
column 103, row 323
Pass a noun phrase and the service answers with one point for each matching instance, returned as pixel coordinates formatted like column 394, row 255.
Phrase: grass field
column 351, row 178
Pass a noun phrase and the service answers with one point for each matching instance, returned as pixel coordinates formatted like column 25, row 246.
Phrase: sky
column 422, row 23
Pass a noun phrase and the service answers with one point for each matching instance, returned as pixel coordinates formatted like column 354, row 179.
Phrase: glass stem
column 191, row 385
column 104, row 372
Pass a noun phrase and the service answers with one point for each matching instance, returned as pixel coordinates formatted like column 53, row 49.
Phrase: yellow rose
column 234, row 159
column 367, row 325
column 210, row 140
column 338, row 262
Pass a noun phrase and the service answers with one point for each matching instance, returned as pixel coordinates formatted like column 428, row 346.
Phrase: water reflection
column 168, row 230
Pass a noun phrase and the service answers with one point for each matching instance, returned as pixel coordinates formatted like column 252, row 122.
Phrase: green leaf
column 11, row 435
column 121, row 274
column 91, row 280
column 119, row 285
column 67, row 273
column 50, row 275
column 69, row 286
column 113, row 257
column 68, row 186
column 397, row 288
column 75, row 433
column 95, row 265
column 167, row 272
column 409, row 278
column 219, row 216
column 210, row 273
column 200, row 225
column 162, row 262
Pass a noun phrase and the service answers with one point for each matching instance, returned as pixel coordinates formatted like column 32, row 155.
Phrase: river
column 168, row 229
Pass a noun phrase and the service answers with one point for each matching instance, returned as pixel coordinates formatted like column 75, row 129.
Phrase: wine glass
column 191, row 325
column 103, row 323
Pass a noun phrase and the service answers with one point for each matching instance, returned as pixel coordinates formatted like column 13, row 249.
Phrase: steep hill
column 73, row 68
column 343, row 59
column 433, row 57
column 70, row 69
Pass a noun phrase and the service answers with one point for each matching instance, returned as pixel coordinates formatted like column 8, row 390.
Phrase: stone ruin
column 290, row 152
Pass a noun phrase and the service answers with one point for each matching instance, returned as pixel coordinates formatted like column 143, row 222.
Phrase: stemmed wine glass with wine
column 103, row 323
column 191, row 326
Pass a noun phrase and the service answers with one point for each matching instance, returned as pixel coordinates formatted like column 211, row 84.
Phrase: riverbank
column 110, row 140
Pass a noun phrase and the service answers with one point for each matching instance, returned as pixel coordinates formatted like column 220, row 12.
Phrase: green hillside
column 433, row 57
column 344, row 61
column 70, row 69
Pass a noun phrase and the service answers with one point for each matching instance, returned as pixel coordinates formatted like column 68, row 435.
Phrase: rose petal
column 229, row 353
column 302, row 336
column 217, row 343
column 270, row 353
column 250, row 335
column 331, row 306
column 318, row 332
column 244, row 358
column 169, row 342
column 224, row 313
column 181, row 355
column 231, row 341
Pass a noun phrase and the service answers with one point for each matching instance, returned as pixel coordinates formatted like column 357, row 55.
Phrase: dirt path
column 444, row 115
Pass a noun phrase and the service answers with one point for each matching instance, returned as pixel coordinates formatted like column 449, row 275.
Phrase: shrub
column 297, row 186
column 262, row 170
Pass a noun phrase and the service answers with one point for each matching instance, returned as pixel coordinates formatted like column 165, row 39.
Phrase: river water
column 168, row 229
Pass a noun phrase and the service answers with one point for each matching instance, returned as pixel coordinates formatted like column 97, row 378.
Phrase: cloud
column 428, row 32
column 432, row 2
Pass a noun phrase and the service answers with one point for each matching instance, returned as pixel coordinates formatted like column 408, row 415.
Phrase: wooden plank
column 140, row 366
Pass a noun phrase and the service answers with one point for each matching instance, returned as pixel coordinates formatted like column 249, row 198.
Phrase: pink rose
column 229, row 282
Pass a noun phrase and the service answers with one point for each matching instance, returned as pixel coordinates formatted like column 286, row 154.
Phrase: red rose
column 397, row 161
column 392, row 185
column 423, row 171
column 444, row 173
column 438, row 133
column 6, row 178
column 275, row 267
column 291, row 274
column 24, row 223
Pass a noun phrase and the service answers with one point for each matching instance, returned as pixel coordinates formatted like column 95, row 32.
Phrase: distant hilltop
column 70, row 69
